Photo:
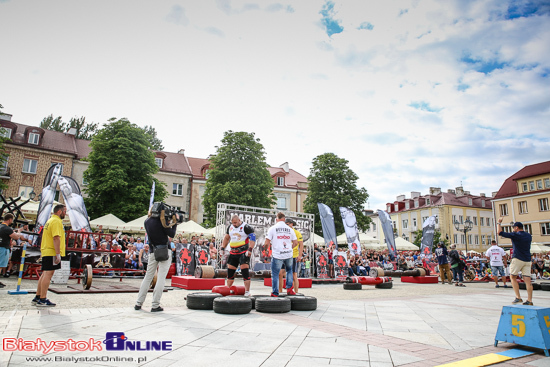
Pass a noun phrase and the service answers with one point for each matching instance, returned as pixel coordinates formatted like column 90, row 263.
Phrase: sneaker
column 527, row 303
column 505, row 285
column 2, row 285
column 7, row 275
column 497, row 286
column 247, row 294
column 45, row 303
column 517, row 300
column 274, row 295
column 158, row 309
column 137, row 307
column 290, row 292
column 35, row 300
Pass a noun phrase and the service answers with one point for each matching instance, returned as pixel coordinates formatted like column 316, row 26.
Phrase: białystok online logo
column 114, row 341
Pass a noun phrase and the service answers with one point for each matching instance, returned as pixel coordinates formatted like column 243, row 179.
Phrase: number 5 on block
column 518, row 326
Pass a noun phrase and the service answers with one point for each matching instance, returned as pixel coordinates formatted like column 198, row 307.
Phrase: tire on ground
column 353, row 286
column 273, row 304
column 386, row 285
column 232, row 305
column 303, row 303
column 252, row 298
column 545, row 286
column 286, row 295
column 536, row 286
column 201, row 300
column 522, row 286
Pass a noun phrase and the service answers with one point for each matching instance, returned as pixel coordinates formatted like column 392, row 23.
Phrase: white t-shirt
column 495, row 253
column 281, row 237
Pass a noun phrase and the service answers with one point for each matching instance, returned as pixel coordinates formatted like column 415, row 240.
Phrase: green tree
column 333, row 183
column 238, row 175
column 120, row 174
column 151, row 133
column 84, row 130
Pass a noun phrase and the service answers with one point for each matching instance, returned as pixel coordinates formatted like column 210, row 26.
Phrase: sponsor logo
column 119, row 341
column 283, row 237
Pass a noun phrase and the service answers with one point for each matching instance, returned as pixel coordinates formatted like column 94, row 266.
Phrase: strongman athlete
column 242, row 239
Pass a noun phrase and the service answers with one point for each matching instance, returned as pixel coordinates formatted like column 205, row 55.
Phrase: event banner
column 340, row 265
column 385, row 221
column 202, row 255
column 327, row 222
column 48, row 195
column 428, row 231
column 185, row 259
column 261, row 222
column 352, row 234
column 321, row 264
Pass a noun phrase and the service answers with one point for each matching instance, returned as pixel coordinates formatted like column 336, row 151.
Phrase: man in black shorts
column 52, row 249
column 240, row 236
column 6, row 235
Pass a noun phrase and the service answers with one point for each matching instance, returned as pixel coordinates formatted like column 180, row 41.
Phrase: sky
column 413, row 94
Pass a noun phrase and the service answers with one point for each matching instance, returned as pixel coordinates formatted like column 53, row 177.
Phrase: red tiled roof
column 196, row 165
column 291, row 178
column 510, row 187
column 175, row 162
column 444, row 198
column 83, row 148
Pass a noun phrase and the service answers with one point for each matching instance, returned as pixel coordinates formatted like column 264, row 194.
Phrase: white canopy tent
column 108, row 221
column 136, row 225
column 404, row 245
column 191, row 227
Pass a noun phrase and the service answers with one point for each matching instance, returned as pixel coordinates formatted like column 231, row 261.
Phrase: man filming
column 160, row 227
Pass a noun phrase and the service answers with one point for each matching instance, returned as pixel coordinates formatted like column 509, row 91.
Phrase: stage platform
column 190, row 282
column 428, row 279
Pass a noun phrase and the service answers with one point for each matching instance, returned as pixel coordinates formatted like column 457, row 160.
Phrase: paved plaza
column 408, row 325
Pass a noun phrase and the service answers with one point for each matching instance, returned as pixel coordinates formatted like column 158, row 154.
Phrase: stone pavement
column 409, row 325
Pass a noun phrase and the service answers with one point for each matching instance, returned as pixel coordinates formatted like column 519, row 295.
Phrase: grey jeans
column 163, row 267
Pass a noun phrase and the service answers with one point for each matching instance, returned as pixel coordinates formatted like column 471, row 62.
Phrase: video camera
column 168, row 215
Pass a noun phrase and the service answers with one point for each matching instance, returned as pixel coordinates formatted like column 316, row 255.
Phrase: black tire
column 303, row 303
column 545, row 286
column 252, row 298
column 201, row 300
column 286, row 295
column 536, row 286
column 522, row 286
column 232, row 305
column 273, row 304
column 386, row 285
column 353, row 286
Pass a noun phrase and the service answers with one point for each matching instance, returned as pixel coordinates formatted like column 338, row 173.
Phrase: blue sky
column 413, row 93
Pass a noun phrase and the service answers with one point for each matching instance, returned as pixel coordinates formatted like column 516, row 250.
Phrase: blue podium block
column 525, row 325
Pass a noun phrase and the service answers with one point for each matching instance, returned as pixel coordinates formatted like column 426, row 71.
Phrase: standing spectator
column 444, row 269
column 52, row 249
column 521, row 245
column 6, row 235
column 144, row 257
column 213, row 254
column 457, row 266
column 330, row 254
column 496, row 255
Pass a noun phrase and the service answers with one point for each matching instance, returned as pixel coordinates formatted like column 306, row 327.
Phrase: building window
column 280, row 181
column 416, row 203
column 481, row 221
column 527, row 228
column 407, row 205
column 476, row 239
column 483, row 239
column 483, row 203
column 524, row 187
column 468, row 218
column 437, row 219
column 475, row 220
column 414, row 223
column 158, row 162
column 424, row 219
column 470, row 239
column 488, row 222
column 427, row 201
column 455, row 238
column 388, row 208
column 462, row 239
column 454, row 218
column 4, row 165
column 539, row 184
column 396, row 207
column 33, row 138
column 503, row 210
column 545, row 229
column 177, row 189
column 373, row 227
column 405, row 223
column 543, row 204
column 5, row 132
column 25, row 191
column 469, row 201
column 394, row 224
column 531, row 185
column 29, row 165
column 522, row 205
column 461, row 219
column 84, row 181
column 281, row 203
column 547, row 183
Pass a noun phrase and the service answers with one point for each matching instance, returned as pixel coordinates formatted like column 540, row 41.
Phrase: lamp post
column 468, row 224
column 32, row 195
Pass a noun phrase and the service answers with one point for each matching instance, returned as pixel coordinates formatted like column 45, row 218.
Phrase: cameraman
column 160, row 227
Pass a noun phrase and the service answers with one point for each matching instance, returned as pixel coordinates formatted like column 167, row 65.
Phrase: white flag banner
column 352, row 234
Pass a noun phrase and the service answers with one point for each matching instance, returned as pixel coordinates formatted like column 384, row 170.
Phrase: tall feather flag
column 327, row 222
column 352, row 234
column 428, row 232
column 387, row 227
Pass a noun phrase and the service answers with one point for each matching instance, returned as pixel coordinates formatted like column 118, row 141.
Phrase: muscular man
column 496, row 255
column 6, row 235
column 296, row 257
column 52, row 248
column 521, row 259
column 283, row 239
column 241, row 238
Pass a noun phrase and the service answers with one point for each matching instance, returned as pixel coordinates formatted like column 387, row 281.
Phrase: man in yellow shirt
column 52, row 249
column 296, row 257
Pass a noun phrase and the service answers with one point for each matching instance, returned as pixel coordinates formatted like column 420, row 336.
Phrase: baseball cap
column 518, row 224
column 290, row 220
